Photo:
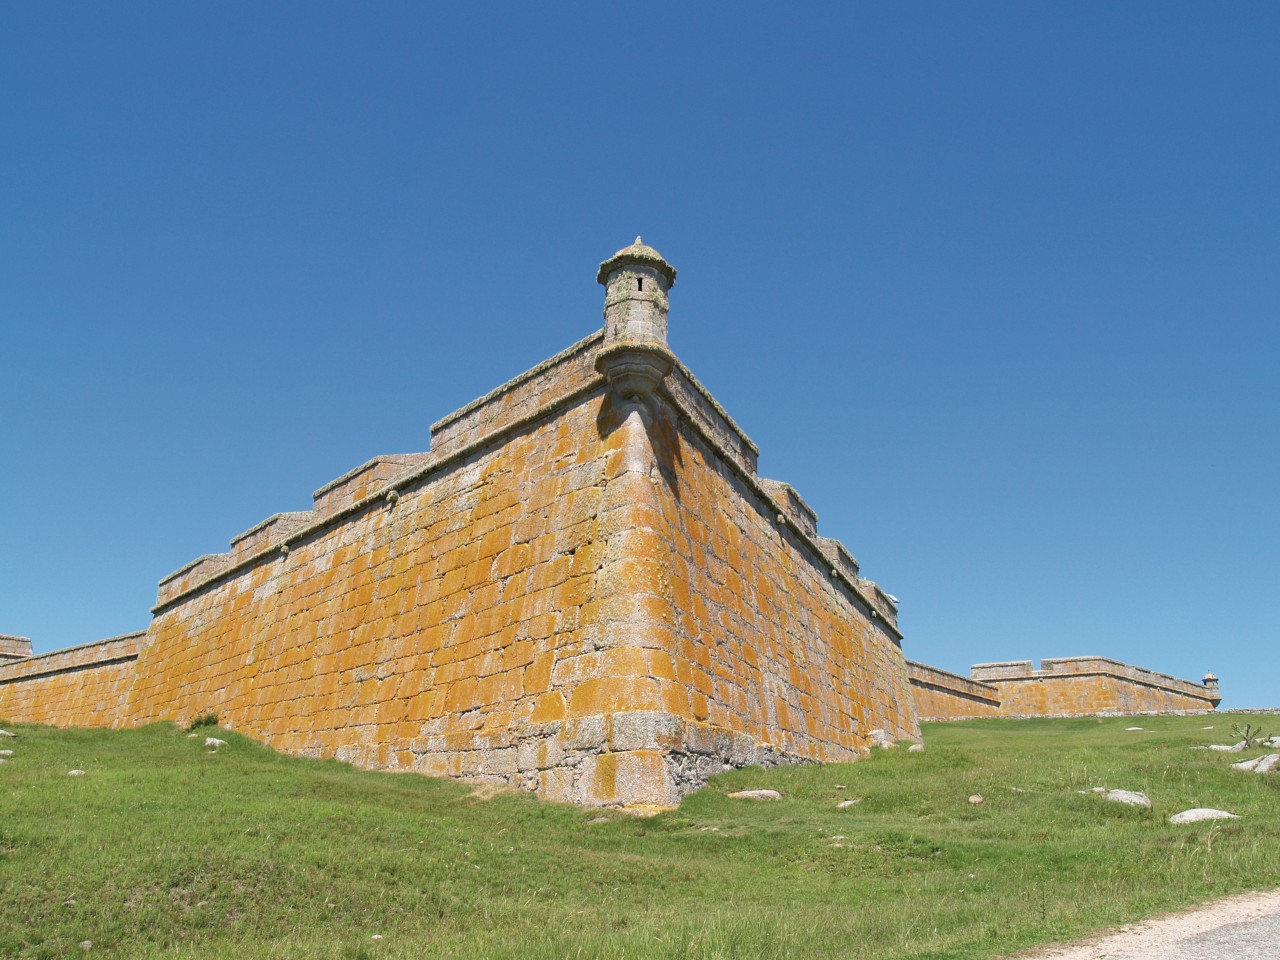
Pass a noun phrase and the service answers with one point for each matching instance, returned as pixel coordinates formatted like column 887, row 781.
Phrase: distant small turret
column 1211, row 684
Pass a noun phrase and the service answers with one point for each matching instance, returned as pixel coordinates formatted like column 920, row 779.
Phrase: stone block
column 645, row 730
column 584, row 733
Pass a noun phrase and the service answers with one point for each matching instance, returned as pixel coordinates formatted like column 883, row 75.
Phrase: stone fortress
column 584, row 588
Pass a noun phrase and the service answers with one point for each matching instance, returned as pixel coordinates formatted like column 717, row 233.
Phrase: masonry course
column 583, row 589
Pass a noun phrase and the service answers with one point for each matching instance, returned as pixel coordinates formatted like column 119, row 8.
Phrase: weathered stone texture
column 83, row 686
column 533, row 393
column 941, row 695
column 710, row 418
column 364, row 481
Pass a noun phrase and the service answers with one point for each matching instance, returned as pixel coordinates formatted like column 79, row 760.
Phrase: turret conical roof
column 638, row 252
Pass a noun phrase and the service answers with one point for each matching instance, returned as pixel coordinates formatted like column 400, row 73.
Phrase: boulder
column 1197, row 814
column 916, row 748
column 881, row 739
column 6, row 733
column 1260, row 765
column 75, row 773
column 846, row 804
column 213, row 743
column 756, row 795
column 1131, row 797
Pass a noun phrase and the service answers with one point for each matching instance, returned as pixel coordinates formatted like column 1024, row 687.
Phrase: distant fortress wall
column 941, row 695
column 84, row 686
column 1066, row 687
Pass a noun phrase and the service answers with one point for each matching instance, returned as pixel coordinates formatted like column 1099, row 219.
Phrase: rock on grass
column 1131, row 797
column 1261, row 765
column 1197, row 814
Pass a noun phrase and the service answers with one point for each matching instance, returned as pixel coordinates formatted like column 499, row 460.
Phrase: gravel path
column 1246, row 927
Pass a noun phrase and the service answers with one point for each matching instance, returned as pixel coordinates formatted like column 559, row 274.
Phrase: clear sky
column 993, row 285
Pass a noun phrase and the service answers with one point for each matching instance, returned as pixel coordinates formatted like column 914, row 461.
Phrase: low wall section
column 85, row 686
column 941, row 695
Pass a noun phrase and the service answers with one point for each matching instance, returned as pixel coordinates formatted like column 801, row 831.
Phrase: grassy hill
column 165, row 850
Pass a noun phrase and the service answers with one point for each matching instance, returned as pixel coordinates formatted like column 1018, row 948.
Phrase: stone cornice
column 546, row 365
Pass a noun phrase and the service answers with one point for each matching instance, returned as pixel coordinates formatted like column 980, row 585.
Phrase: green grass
column 165, row 850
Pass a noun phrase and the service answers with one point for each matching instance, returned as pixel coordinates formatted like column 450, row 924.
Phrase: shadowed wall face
column 769, row 646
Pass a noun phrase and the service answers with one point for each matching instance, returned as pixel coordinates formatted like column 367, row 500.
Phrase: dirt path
column 1237, row 928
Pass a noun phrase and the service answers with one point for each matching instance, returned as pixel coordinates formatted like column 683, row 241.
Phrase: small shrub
column 1251, row 735
column 207, row 719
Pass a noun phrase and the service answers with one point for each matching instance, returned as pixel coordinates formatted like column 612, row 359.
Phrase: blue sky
column 993, row 285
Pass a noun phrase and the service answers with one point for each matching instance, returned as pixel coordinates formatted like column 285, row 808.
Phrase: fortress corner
column 582, row 588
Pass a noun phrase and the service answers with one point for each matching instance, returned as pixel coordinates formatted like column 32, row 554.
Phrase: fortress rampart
column 1066, row 687
column 583, row 589
column 941, row 695
column 83, row 686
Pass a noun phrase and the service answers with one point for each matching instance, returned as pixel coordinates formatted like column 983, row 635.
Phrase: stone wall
column 941, row 695
column 777, row 655
column 83, row 686
column 419, row 632
column 586, row 596
column 1089, row 686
